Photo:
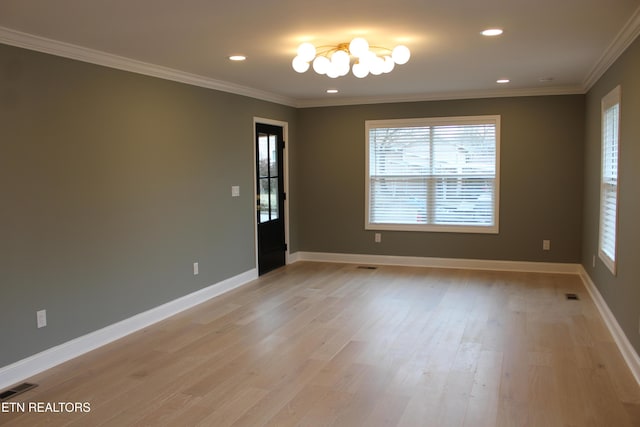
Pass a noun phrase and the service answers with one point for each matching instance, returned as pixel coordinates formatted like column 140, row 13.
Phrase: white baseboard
column 628, row 352
column 293, row 257
column 469, row 264
column 25, row 368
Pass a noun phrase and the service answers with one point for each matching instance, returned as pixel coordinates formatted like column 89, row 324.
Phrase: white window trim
column 612, row 98
column 372, row 124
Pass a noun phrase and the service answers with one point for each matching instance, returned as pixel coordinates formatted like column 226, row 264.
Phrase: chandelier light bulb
column 343, row 69
column 307, row 51
column 360, row 70
column 377, row 66
column 299, row 64
column 340, row 60
column 333, row 71
column 321, row 64
column 388, row 64
column 401, row 54
column 340, row 57
column 358, row 47
column 367, row 58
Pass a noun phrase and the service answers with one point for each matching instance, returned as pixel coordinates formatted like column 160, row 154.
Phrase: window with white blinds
column 609, row 179
column 438, row 174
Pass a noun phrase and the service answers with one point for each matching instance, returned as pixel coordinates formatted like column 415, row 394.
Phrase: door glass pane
column 263, row 155
column 273, row 156
column 274, row 198
column 264, row 200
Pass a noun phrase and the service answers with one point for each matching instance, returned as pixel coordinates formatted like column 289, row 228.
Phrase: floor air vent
column 572, row 296
column 366, row 267
column 16, row 390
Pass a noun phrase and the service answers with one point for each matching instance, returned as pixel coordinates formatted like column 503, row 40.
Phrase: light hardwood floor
column 317, row 344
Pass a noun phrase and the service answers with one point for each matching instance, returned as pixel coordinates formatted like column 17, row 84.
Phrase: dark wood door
column 270, row 197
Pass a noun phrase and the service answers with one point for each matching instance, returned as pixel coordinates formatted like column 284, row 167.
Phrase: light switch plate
column 235, row 191
column 41, row 317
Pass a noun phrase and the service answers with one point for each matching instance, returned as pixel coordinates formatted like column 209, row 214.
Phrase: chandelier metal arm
column 328, row 50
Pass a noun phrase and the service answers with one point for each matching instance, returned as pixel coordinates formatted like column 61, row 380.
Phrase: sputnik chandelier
column 335, row 61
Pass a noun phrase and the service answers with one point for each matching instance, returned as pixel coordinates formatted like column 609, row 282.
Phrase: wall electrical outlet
column 41, row 318
column 378, row 237
column 546, row 245
column 235, row 191
column 196, row 269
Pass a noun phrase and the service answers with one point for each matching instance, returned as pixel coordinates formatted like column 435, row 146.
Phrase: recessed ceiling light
column 545, row 79
column 237, row 57
column 492, row 32
column 332, row 90
column 503, row 81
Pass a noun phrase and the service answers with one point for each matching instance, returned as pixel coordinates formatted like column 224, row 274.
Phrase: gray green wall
column 622, row 292
column 540, row 185
column 112, row 185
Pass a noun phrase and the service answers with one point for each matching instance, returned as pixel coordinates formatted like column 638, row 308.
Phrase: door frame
column 285, row 168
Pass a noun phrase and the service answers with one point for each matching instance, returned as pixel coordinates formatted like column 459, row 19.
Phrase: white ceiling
column 571, row 41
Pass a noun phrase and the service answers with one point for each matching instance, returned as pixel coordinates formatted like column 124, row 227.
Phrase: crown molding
column 442, row 96
column 79, row 53
column 620, row 43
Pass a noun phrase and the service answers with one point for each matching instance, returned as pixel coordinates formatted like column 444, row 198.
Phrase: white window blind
column 433, row 174
column 609, row 179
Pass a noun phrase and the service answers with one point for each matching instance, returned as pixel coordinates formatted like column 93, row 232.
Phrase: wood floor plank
column 482, row 409
column 320, row 344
